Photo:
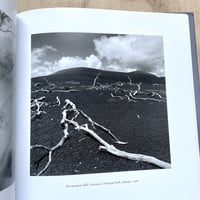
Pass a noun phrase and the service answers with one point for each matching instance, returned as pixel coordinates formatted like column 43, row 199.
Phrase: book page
column 7, row 59
column 106, row 103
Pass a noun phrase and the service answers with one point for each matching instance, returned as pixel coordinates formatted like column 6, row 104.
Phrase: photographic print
column 98, row 104
column 6, row 73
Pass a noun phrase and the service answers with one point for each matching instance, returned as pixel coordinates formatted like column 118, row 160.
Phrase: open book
column 104, row 105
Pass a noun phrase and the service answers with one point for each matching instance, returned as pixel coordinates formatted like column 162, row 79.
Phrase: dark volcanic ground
column 141, row 121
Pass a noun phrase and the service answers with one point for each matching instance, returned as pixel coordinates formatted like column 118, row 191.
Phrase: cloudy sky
column 52, row 52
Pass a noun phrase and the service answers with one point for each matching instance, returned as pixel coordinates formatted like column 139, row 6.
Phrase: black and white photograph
column 98, row 104
column 6, row 74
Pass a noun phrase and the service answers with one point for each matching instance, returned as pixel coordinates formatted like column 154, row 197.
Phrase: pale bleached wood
column 134, row 5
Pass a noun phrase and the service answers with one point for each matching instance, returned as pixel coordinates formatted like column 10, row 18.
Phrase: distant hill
column 105, row 76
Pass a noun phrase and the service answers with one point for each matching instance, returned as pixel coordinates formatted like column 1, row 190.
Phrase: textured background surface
column 133, row 5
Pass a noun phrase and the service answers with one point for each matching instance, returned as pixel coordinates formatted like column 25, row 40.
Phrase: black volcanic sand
column 143, row 124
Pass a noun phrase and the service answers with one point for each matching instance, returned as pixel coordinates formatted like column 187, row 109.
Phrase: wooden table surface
column 133, row 5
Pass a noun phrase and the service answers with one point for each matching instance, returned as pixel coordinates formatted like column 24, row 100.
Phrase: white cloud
column 38, row 54
column 68, row 62
column 132, row 52
column 91, row 61
column 40, row 67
